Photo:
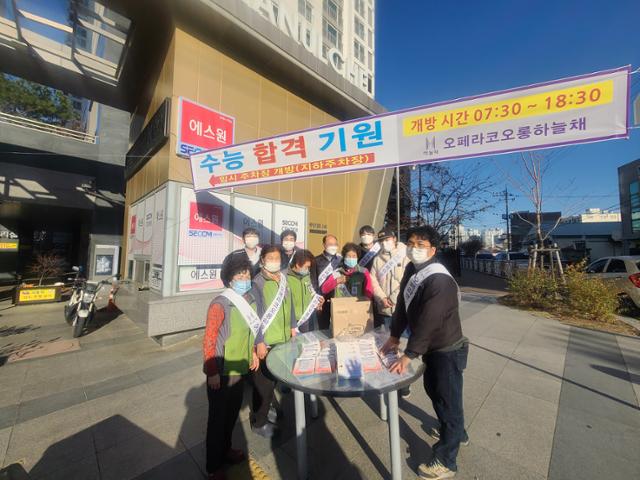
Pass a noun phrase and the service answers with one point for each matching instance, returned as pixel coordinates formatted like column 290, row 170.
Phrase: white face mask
column 251, row 242
column 332, row 250
column 272, row 267
column 288, row 245
column 366, row 239
column 388, row 245
column 418, row 255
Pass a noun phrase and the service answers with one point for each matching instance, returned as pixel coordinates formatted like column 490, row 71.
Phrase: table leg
column 383, row 408
column 314, row 406
column 394, row 436
column 301, row 434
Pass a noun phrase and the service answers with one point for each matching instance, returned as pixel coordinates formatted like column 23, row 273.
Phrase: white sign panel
column 581, row 109
column 248, row 212
column 138, row 237
column 204, row 228
column 147, row 233
column 157, row 249
column 288, row 217
column 199, row 277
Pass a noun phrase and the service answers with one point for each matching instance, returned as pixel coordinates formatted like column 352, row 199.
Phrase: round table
column 280, row 362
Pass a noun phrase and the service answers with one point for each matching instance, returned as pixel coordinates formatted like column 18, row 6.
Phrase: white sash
column 248, row 314
column 370, row 254
column 309, row 311
column 417, row 278
column 386, row 268
column 272, row 311
column 328, row 270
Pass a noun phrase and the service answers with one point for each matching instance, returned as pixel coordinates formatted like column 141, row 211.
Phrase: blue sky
column 430, row 51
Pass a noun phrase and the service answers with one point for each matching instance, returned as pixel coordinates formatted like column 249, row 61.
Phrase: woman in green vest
column 278, row 325
column 302, row 292
column 229, row 357
column 353, row 280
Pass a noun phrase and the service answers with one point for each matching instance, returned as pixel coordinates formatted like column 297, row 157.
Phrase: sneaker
column 434, row 470
column 405, row 392
column 268, row 430
column 234, row 456
column 435, row 434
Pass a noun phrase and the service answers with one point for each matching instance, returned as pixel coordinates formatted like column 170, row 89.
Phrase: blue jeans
column 443, row 384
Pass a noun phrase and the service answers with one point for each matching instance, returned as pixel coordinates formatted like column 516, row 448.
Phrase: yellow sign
column 590, row 95
column 11, row 246
column 37, row 295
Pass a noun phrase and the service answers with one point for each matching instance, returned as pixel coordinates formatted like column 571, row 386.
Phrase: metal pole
column 301, row 434
column 398, row 202
column 383, row 408
column 314, row 406
column 394, row 435
column 506, row 202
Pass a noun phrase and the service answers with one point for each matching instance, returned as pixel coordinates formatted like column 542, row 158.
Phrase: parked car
column 484, row 256
column 622, row 272
column 521, row 258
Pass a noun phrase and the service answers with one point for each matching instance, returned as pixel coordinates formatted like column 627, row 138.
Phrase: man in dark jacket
column 368, row 244
column 428, row 304
column 251, row 251
column 327, row 263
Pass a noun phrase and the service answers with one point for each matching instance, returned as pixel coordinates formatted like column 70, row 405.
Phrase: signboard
column 199, row 277
column 37, row 295
column 576, row 110
column 104, row 264
column 8, row 240
column 157, row 238
column 288, row 217
column 248, row 212
column 147, row 232
column 151, row 139
column 201, row 128
column 204, row 228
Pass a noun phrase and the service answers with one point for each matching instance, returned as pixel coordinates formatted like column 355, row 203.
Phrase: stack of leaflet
column 389, row 358
column 349, row 361
column 326, row 359
column 369, row 355
column 305, row 364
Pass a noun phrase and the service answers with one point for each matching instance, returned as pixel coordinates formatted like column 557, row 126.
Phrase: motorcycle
column 76, row 295
column 86, row 309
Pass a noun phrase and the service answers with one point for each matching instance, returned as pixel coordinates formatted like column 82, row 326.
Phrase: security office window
column 634, row 200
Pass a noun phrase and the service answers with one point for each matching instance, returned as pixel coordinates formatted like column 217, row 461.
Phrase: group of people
column 274, row 292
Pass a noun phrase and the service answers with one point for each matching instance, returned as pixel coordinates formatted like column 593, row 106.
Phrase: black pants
column 443, row 384
column 324, row 316
column 263, row 386
column 224, row 407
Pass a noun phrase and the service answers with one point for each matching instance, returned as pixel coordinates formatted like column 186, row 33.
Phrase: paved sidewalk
column 542, row 399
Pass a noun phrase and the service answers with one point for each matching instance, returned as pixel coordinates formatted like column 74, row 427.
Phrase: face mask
column 350, row 262
column 303, row 272
column 367, row 239
column 241, row 286
column 388, row 245
column 288, row 246
column 272, row 267
column 418, row 255
column 332, row 250
column 251, row 242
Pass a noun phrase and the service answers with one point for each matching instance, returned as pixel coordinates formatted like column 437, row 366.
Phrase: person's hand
column 387, row 303
column 341, row 279
column 400, row 365
column 261, row 350
column 294, row 332
column 391, row 344
column 319, row 307
column 255, row 361
column 214, row 381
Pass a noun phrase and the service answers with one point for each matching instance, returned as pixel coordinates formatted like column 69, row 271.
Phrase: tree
column 22, row 98
column 472, row 246
column 442, row 195
column 46, row 265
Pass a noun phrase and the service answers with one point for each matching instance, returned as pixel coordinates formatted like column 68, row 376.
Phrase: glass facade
column 634, row 200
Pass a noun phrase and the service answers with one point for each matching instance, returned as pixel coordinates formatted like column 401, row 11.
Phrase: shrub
column 533, row 288
column 589, row 297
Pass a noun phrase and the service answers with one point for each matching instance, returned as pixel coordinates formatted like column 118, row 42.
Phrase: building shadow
column 103, row 316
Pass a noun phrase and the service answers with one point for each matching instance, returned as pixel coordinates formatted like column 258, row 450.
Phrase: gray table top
column 281, row 358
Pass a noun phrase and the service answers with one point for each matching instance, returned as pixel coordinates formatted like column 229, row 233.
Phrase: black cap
column 386, row 233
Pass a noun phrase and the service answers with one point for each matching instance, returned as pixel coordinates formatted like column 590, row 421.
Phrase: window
column 597, row 267
column 370, row 16
column 634, row 200
column 358, row 50
column 359, row 28
column 305, row 9
column 370, row 38
column 616, row 266
column 130, row 270
column 332, row 37
column 333, row 11
column 370, row 58
column 360, row 7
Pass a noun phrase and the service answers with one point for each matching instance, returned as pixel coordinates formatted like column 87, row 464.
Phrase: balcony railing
column 46, row 128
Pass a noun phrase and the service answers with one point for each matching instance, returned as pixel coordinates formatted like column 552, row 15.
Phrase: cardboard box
column 351, row 316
